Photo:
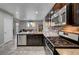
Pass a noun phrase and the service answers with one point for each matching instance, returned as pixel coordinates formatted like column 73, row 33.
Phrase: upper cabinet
column 58, row 6
column 73, row 14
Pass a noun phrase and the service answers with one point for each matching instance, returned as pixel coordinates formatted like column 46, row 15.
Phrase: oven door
column 48, row 49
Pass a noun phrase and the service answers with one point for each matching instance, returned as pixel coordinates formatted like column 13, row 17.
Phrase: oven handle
column 49, row 49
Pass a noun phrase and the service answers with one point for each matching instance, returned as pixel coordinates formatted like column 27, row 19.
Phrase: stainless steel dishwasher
column 21, row 39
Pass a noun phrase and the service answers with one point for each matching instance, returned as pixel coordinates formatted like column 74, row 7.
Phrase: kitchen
column 58, row 32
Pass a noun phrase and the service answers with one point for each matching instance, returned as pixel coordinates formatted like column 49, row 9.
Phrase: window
column 30, row 24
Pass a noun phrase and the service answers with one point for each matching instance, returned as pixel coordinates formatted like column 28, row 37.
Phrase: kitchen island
column 30, row 39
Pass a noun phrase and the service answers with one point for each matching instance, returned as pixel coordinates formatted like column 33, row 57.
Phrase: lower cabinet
column 35, row 40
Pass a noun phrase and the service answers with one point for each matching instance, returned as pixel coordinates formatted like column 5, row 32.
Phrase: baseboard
column 4, row 43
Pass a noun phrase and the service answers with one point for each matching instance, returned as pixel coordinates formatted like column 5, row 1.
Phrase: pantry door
column 8, row 28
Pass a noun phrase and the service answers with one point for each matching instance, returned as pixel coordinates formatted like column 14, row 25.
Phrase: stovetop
column 61, row 42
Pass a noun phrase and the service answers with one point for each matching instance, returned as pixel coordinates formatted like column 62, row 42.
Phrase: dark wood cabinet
column 30, row 40
column 73, row 14
column 69, row 14
column 58, row 6
column 35, row 40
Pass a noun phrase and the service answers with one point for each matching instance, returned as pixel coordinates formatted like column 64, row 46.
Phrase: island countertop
column 30, row 33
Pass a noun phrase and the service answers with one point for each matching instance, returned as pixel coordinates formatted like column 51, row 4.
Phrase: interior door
column 8, row 28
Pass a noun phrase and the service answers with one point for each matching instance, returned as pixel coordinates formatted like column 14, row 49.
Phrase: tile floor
column 7, row 48
column 10, row 48
column 29, row 50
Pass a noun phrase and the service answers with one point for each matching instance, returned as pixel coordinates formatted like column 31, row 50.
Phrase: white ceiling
column 27, row 11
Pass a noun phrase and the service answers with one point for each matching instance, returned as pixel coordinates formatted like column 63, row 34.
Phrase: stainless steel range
column 51, row 43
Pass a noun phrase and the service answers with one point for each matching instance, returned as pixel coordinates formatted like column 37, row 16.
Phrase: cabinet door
column 69, row 15
column 75, row 12
column 22, row 40
column 34, row 40
column 8, row 27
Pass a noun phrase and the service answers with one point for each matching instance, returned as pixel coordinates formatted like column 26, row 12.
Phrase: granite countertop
column 63, row 46
column 60, row 42
column 30, row 33
column 67, row 51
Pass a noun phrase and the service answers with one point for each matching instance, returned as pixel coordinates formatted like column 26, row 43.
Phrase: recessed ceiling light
column 36, row 12
column 17, row 12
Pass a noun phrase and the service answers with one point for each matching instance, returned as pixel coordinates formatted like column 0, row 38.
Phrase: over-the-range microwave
column 59, row 18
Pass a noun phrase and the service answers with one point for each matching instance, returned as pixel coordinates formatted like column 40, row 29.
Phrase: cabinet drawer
column 34, row 40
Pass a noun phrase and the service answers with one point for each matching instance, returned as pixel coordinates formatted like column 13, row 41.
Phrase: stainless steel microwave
column 62, row 14
column 59, row 18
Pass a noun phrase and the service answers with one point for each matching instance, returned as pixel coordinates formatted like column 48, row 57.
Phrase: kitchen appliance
column 62, row 14
column 59, row 18
column 55, row 19
column 49, row 47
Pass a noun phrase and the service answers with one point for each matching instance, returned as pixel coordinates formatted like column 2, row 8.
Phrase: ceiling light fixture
column 36, row 12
